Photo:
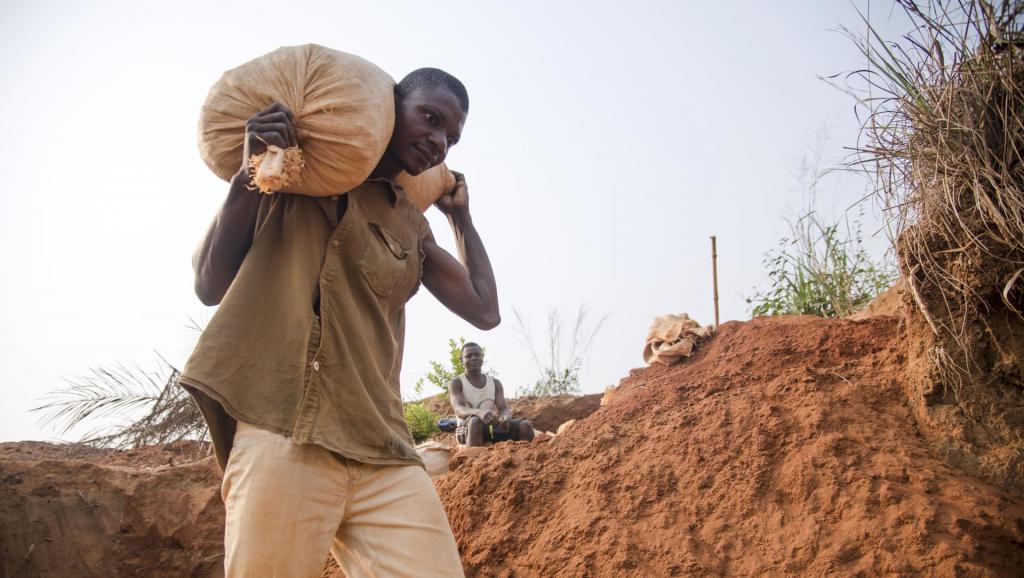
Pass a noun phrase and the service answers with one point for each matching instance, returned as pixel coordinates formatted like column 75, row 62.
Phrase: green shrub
column 563, row 382
column 820, row 269
column 422, row 422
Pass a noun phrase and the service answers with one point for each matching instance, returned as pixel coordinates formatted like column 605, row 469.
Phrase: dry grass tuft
column 945, row 138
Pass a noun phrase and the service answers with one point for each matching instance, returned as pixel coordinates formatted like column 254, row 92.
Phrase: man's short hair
column 471, row 344
column 431, row 78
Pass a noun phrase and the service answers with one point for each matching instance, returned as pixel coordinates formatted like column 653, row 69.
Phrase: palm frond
column 150, row 407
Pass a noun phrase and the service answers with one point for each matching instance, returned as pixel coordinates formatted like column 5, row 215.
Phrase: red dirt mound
column 545, row 413
column 79, row 511
column 784, row 446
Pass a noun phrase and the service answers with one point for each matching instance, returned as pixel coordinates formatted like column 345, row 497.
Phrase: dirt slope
column 785, row 446
column 76, row 511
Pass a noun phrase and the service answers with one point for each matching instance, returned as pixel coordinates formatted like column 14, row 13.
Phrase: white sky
column 606, row 142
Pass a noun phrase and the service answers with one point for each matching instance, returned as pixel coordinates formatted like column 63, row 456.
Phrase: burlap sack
column 672, row 338
column 428, row 186
column 344, row 115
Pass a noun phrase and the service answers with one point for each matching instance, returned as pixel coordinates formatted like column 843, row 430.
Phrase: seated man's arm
column 463, row 409
column 524, row 427
column 504, row 413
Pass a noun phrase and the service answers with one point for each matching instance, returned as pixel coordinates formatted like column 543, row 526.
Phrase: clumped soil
column 785, row 446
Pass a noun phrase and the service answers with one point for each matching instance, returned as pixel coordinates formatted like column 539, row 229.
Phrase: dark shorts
column 491, row 434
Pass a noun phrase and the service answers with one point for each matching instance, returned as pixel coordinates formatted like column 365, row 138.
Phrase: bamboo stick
column 714, row 274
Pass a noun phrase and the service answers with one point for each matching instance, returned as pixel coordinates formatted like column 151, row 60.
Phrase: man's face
column 428, row 122
column 472, row 358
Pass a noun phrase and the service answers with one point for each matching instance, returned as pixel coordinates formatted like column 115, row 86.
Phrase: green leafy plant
column 821, row 268
column 565, row 381
column 422, row 422
column 441, row 375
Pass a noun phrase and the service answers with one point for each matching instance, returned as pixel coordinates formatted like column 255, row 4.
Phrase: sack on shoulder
column 344, row 110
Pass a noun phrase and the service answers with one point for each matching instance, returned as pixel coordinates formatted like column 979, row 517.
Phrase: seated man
column 479, row 403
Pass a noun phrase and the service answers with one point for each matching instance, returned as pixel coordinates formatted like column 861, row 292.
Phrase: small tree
column 440, row 375
column 422, row 422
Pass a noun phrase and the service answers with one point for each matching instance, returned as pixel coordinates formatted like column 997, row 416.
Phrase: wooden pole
column 714, row 274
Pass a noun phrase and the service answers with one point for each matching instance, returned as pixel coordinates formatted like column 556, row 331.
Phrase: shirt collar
column 395, row 190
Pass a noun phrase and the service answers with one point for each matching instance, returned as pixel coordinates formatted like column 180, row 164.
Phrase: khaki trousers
column 288, row 504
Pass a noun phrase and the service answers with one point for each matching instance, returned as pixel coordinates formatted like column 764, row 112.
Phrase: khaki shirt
column 268, row 359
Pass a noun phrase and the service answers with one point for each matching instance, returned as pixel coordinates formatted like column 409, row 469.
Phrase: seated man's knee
column 525, row 430
column 474, row 431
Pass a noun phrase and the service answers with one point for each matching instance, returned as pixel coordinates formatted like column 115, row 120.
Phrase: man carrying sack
column 297, row 373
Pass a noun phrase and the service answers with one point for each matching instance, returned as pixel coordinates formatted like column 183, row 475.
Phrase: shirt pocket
column 385, row 261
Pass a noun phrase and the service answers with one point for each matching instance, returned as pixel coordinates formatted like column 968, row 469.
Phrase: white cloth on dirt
column 435, row 456
column 672, row 337
column 288, row 504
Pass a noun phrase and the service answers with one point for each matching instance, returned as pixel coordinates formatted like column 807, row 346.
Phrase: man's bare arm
column 504, row 412
column 220, row 255
column 468, row 288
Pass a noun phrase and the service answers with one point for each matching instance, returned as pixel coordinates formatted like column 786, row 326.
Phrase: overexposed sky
column 606, row 142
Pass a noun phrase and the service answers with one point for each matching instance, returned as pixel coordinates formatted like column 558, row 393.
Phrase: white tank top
column 478, row 397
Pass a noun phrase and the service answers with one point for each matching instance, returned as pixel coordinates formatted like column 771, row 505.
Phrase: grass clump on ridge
column 821, row 268
column 945, row 139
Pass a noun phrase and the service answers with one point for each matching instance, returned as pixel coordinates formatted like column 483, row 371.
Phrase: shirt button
column 316, row 366
column 335, row 243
